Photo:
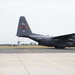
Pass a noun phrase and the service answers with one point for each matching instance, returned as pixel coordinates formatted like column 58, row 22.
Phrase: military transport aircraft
column 59, row 42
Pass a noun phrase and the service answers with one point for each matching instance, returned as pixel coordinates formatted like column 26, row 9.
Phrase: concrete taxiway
column 15, row 61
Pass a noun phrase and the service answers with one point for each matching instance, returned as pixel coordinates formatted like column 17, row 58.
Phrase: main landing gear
column 59, row 47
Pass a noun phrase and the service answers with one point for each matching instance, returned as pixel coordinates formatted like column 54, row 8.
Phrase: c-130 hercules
column 59, row 42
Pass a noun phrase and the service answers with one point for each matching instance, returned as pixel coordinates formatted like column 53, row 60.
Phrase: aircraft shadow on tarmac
column 44, row 50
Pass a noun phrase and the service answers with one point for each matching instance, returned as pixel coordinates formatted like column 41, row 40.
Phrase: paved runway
column 37, row 50
column 37, row 61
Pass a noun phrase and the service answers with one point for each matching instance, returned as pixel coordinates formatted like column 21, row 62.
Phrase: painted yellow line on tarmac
column 56, row 64
column 59, row 65
column 2, row 74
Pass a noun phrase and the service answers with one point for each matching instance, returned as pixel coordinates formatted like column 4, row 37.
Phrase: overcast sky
column 47, row 17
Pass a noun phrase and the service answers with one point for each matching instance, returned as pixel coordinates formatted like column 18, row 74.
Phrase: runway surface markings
column 57, row 64
column 23, row 64
column 27, row 51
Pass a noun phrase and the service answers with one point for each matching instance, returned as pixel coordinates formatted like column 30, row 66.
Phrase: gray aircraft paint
column 23, row 27
column 58, row 41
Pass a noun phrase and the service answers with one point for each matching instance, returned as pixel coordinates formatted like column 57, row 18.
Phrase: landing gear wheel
column 60, row 47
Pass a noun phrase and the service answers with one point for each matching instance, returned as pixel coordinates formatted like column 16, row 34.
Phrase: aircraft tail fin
column 23, row 28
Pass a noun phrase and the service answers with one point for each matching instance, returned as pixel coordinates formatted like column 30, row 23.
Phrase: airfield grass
column 30, row 47
column 25, row 47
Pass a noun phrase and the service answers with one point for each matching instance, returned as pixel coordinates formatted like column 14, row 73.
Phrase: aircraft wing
column 65, row 37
